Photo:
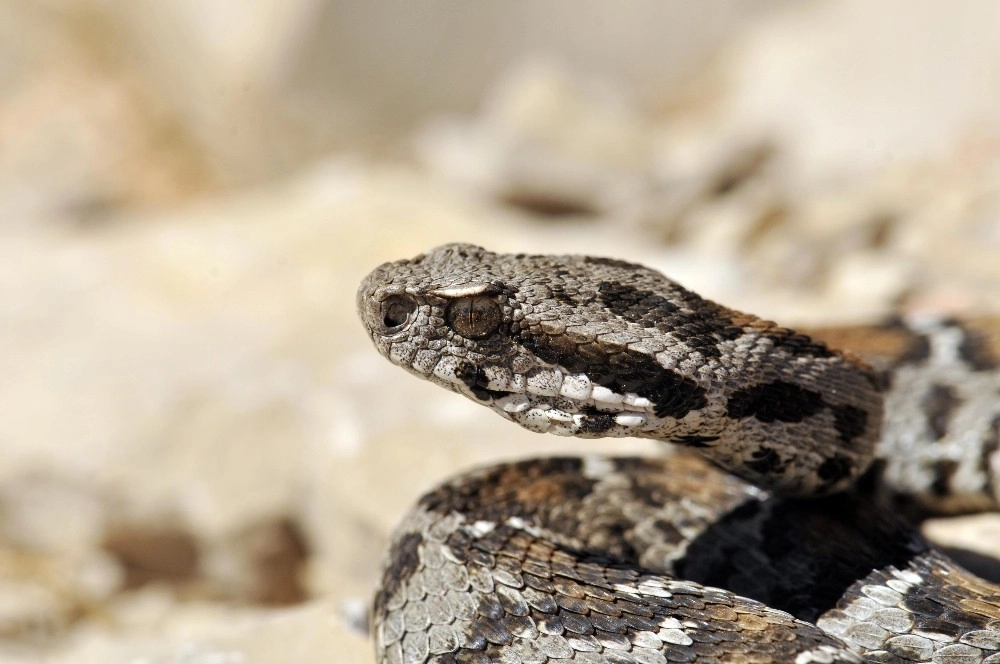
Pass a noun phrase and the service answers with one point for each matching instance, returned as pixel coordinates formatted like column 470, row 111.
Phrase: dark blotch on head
column 404, row 558
column 613, row 262
column 777, row 401
column 797, row 344
column 701, row 326
column 674, row 395
column 939, row 404
column 621, row 370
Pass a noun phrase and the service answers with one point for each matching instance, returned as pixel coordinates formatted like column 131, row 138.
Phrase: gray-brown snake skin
column 796, row 554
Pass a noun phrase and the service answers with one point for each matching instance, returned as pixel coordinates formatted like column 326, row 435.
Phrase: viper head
column 532, row 337
column 447, row 317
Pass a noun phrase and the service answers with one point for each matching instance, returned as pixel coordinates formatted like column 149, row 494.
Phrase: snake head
column 597, row 347
column 486, row 326
column 446, row 317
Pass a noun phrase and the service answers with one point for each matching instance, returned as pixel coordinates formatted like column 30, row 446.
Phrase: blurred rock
column 153, row 554
column 35, row 608
column 551, row 145
column 80, row 133
column 546, row 142
column 854, row 90
column 263, row 563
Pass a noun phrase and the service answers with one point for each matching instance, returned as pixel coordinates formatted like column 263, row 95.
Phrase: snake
column 776, row 527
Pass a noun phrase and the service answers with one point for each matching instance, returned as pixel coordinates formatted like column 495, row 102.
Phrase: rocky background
column 201, row 456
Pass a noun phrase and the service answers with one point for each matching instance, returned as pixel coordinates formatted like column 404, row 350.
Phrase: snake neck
column 938, row 449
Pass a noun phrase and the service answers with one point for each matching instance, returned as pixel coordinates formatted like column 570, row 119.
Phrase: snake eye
column 397, row 310
column 474, row 317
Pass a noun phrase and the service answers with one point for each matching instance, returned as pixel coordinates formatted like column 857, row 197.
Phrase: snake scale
column 779, row 541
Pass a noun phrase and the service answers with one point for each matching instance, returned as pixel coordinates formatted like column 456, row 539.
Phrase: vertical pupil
column 474, row 317
column 475, row 313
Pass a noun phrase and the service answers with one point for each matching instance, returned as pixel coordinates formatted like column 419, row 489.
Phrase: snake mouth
column 547, row 399
column 570, row 418
column 608, row 414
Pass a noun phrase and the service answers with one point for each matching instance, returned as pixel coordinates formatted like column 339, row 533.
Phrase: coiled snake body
column 793, row 553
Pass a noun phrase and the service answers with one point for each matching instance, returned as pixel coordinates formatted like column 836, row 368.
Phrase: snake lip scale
column 780, row 542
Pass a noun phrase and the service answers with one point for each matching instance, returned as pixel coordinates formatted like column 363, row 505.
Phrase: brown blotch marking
column 612, row 537
column 979, row 346
column 797, row 344
column 554, row 491
column 835, row 469
column 775, row 401
column 644, row 466
column 966, row 591
column 404, row 558
column 620, row 370
column 542, row 483
column 892, row 344
column 918, row 351
column 939, row 405
column 650, row 493
column 850, row 422
column 700, row 325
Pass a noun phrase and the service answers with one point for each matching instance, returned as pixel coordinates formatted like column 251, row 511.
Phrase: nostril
column 396, row 311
